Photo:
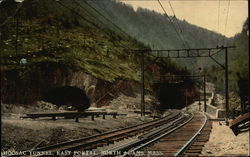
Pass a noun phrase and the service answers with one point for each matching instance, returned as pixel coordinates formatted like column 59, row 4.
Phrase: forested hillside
column 148, row 27
column 52, row 32
column 47, row 43
column 157, row 31
column 238, row 62
column 99, row 37
column 240, row 58
column 58, row 31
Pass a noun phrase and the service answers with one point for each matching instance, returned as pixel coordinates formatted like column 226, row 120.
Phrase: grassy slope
column 69, row 41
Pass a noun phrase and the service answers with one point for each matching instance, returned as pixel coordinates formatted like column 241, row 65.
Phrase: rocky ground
column 223, row 142
column 23, row 134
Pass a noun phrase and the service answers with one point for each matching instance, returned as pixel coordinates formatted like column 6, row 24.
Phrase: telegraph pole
column 204, row 89
column 142, row 85
column 186, row 105
column 17, row 25
column 192, row 53
column 226, row 85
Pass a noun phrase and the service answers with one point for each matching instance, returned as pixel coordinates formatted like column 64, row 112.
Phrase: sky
column 203, row 13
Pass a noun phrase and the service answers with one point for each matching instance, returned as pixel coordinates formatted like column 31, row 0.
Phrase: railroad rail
column 185, row 135
column 177, row 133
column 92, row 142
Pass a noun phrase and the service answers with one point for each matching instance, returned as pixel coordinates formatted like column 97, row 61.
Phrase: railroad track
column 182, row 137
column 176, row 134
column 180, row 141
column 92, row 142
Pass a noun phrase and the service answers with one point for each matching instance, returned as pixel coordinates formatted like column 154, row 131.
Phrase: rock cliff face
column 36, row 84
column 16, row 88
column 31, row 85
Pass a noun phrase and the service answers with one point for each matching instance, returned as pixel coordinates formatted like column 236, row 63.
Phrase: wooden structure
column 73, row 115
column 240, row 124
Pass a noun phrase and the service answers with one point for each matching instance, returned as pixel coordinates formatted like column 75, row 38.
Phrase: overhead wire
column 90, row 14
column 78, row 14
column 85, row 19
column 129, row 35
column 218, row 23
column 174, row 15
column 120, row 45
column 178, row 24
column 114, row 24
column 119, row 27
column 181, row 30
column 107, row 19
column 171, row 23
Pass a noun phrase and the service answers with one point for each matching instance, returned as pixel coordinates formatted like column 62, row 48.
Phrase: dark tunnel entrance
column 68, row 96
column 175, row 95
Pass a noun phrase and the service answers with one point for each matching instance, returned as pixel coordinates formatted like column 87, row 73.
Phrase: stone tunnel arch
column 68, row 96
column 175, row 95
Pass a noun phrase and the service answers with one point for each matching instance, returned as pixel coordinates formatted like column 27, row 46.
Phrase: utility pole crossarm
column 187, row 53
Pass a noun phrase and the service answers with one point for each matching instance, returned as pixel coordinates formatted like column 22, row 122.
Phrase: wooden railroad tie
column 196, row 148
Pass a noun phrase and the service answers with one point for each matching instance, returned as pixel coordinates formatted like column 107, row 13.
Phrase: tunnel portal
column 68, row 96
column 175, row 95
